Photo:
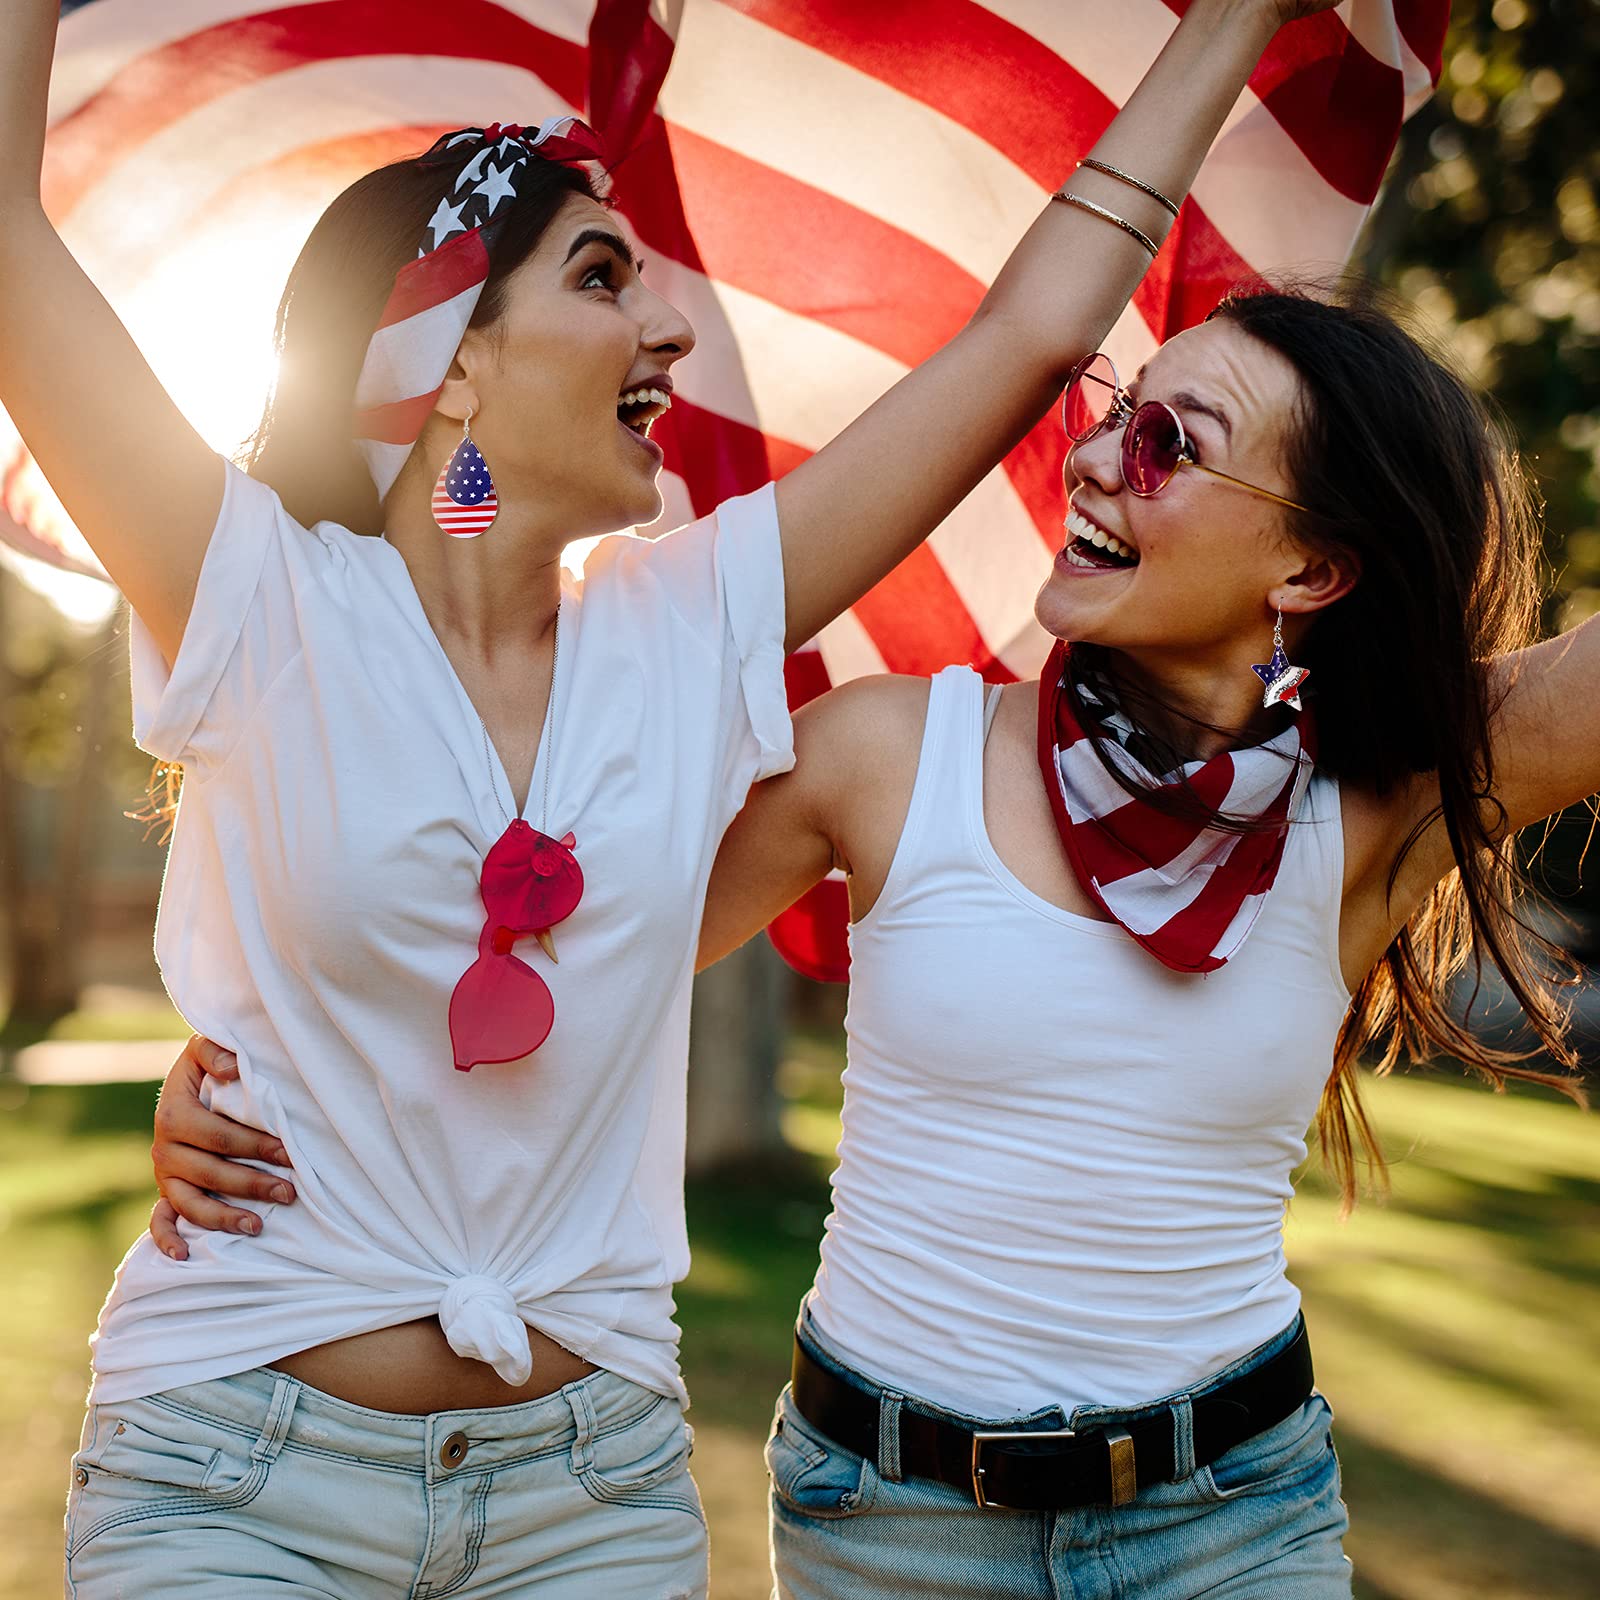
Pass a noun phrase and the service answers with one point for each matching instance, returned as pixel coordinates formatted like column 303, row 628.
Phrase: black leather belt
column 1053, row 1469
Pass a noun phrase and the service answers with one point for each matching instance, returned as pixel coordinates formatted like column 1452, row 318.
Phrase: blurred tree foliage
column 1490, row 228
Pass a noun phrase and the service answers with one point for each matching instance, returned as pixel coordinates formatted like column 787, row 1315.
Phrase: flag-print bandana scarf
column 434, row 296
column 1187, row 892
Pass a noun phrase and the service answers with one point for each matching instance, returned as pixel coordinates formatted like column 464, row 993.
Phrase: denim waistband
column 570, row 1418
column 1083, row 1418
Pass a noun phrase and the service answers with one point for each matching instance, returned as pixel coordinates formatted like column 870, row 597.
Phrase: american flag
column 824, row 187
column 464, row 501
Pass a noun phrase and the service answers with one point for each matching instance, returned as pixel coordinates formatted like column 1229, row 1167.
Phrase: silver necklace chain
column 545, row 736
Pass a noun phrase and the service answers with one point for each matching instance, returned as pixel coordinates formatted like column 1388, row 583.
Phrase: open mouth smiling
column 639, row 409
column 1090, row 547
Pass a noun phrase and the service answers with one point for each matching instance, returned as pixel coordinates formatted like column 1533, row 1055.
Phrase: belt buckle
column 979, row 1440
column 1119, row 1445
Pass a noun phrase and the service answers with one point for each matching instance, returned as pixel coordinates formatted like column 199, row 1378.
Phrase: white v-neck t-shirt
column 321, row 902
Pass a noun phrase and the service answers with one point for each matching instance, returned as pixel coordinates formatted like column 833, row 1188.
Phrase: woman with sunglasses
column 1110, row 929
column 416, row 761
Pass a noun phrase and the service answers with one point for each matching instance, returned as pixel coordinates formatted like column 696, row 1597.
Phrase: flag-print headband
column 434, row 296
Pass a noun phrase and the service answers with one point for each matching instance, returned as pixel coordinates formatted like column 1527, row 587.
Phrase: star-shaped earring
column 1283, row 681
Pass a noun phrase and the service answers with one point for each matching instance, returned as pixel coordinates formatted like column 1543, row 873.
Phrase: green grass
column 1453, row 1326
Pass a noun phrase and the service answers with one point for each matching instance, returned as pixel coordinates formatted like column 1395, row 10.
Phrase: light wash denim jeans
column 258, row 1485
column 1263, row 1522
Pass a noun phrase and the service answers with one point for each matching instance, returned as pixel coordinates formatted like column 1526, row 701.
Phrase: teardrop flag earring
column 1283, row 681
column 464, row 501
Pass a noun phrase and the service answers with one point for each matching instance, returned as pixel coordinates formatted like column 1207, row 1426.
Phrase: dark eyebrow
column 1189, row 402
column 617, row 245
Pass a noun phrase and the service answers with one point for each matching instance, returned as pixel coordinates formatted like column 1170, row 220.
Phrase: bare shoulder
column 856, row 751
column 881, row 715
column 854, row 741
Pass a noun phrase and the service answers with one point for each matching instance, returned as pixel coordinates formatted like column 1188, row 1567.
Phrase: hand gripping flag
column 825, row 188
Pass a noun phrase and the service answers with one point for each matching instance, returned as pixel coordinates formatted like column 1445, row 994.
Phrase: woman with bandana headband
column 417, row 762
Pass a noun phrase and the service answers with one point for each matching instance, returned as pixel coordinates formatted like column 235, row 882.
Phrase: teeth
column 1080, row 527
column 643, row 397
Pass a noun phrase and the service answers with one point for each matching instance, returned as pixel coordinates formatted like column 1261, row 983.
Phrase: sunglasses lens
column 1151, row 447
column 1088, row 398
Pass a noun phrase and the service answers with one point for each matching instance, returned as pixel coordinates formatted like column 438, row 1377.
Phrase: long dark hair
column 1410, row 471
column 305, row 447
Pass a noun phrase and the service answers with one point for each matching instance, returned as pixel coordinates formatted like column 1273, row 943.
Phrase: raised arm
column 1545, row 744
column 142, row 486
column 865, row 501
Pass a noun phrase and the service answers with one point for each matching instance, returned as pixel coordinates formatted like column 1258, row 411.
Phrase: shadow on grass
column 70, row 1109
column 1407, row 1520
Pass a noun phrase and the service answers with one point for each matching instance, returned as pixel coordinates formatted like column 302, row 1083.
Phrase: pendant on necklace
column 502, row 1009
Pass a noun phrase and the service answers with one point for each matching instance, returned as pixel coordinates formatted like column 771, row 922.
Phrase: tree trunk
column 46, row 898
column 735, row 1042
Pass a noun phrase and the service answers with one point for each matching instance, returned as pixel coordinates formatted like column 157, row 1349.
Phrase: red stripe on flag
column 915, row 616
column 1316, row 76
column 629, row 53
column 160, row 88
column 756, row 228
column 1010, row 89
column 1195, row 269
column 919, row 622
column 1422, row 25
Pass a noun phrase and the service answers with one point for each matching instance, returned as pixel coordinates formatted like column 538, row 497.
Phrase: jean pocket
column 645, row 1461
column 813, row 1476
column 1276, row 1458
column 165, row 1463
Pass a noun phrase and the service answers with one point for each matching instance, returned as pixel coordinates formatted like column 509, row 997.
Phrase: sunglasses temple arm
column 1239, row 483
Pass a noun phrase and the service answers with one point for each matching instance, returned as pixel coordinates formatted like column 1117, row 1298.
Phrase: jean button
column 454, row 1450
column 81, row 1476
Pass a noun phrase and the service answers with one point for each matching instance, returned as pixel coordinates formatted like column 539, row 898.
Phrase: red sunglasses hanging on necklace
column 502, row 1010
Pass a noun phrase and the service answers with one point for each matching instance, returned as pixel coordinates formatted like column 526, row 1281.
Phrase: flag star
column 445, row 221
column 496, row 186
column 473, row 169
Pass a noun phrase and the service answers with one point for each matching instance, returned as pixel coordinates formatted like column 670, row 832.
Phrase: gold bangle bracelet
column 1108, row 216
column 1128, row 178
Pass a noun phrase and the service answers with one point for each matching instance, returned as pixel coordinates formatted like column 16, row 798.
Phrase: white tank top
column 1064, row 1168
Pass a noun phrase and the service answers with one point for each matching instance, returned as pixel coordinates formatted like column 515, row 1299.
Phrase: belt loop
column 889, row 1405
column 285, row 1396
column 583, row 1420
column 1182, row 1438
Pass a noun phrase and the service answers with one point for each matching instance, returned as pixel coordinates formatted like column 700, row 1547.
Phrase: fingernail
column 174, row 1253
column 250, row 1224
column 228, row 1061
column 282, row 1193
column 280, row 1157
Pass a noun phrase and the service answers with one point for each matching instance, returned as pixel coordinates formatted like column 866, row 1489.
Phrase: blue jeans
column 1263, row 1522
column 259, row 1485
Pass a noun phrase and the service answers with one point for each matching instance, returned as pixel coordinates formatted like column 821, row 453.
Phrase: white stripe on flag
column 861, row 140
column 97, row 42
column 847, row 649
column 144, row 200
